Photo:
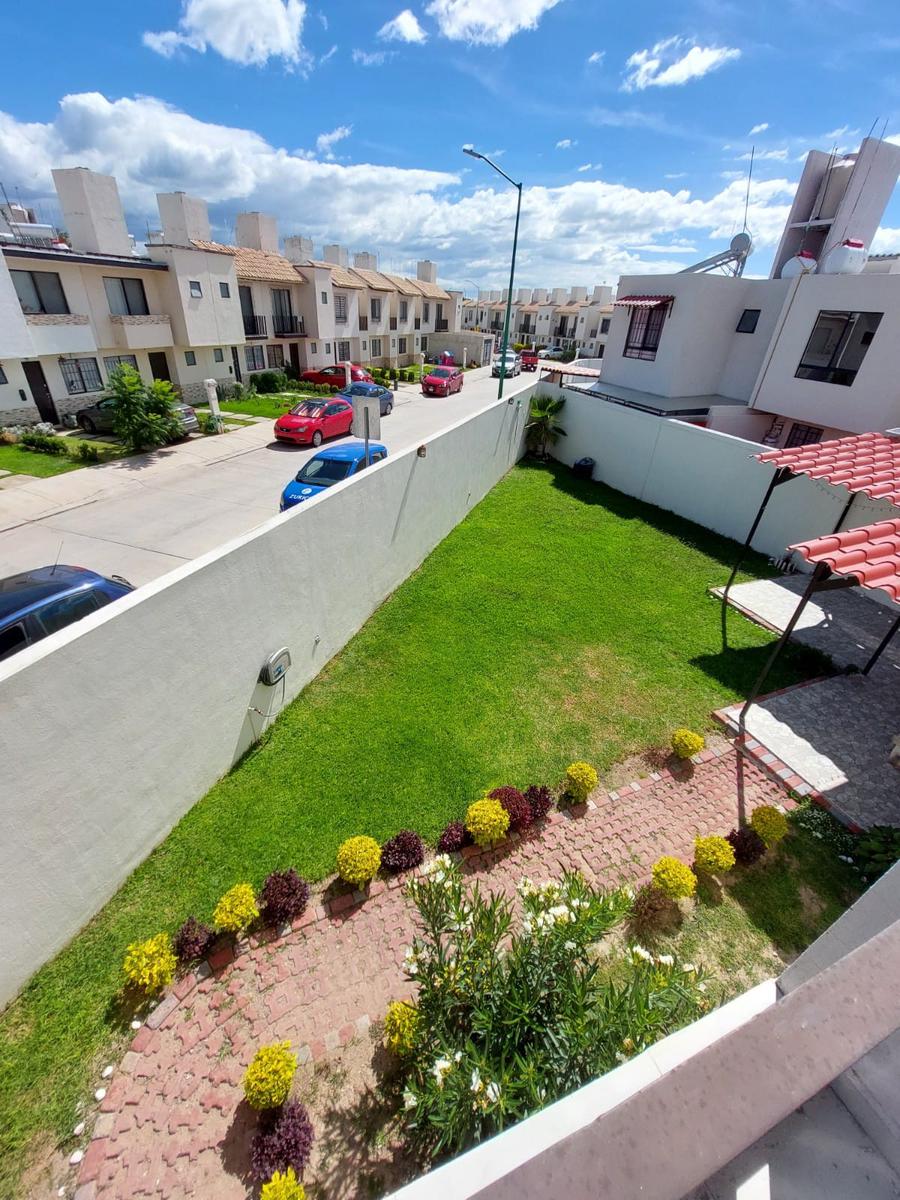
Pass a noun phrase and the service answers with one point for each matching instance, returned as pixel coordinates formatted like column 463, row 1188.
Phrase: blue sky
column 629, row 124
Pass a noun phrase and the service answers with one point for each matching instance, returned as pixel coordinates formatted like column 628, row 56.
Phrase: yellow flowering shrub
column 358, row 860
column 672, row 877
column 150, row 965
column 686, row 743
column 400, row 1023
column 283, row 1185
column 713, row 854
column 487, row 821
column 769, row 823
column 237, row 909
column 581, row 779
column 267, row 1080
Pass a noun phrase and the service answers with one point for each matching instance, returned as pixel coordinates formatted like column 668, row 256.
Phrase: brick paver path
column 173, row 1123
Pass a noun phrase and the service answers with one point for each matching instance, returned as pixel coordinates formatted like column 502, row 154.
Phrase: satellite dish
column 741, row 243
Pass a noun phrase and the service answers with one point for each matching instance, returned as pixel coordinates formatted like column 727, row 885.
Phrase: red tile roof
column 871, row 553
column 642, row 301
column 867, row 463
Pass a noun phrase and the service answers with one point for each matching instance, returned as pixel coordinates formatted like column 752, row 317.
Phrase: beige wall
column 209, row 320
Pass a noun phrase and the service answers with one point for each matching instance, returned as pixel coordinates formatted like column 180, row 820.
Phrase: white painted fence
column 110, row 730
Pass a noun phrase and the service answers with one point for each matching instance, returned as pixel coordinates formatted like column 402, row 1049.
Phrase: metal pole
column 512, row 272
column 366, row 414
column 883, row 645
column 780, row 476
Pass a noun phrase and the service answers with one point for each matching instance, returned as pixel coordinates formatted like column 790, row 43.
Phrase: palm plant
column 543, row 428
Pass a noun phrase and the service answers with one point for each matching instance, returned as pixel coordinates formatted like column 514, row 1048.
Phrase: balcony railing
column 393, row 322
column 287, row 325
column 496, row 326
column 254, row 326
column 441, row 325
column 364, row 323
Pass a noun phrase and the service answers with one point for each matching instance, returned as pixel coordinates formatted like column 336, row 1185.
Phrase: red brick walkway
column 172, row 1123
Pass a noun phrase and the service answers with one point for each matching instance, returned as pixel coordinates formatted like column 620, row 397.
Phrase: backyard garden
column 560, row 623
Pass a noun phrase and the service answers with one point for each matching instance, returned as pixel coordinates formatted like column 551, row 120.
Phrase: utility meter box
column 366, row 409
column 275, row 666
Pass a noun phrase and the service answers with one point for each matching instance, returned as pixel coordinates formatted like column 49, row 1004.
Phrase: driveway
column 144, row 516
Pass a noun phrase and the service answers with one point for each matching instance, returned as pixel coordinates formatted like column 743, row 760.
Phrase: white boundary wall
column 709, row 477
column 112, row 729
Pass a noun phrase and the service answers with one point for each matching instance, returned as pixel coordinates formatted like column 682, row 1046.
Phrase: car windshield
column 442, row 372
column 323, row 472
column 307, row 408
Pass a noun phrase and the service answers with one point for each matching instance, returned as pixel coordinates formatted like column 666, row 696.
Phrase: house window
column 748, row 321
column 402, row 346
column 39, row 291
column 803, row 435
column 375, row 308
column 404, row 310
column 3, row 378
column 340, row 308
column 600, row 350
column 376, row 347
column 190, row 358
column 604, row 325
column 225, row 291
column 119, row 360
column 126, row 297
column 343, row 352
column 81, row 375
column 426, row 312
column 254, row 358
column 324, row 297
column 275, row 357
column 644, row 332
column 328, row 347
column 424, row 343
column 195, row 289
column 364, row 345
column 837, row 346
column 219, row 354
column 312, row 347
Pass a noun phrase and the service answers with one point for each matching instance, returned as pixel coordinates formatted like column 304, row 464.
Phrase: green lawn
column 561, row 620
column 26, row 462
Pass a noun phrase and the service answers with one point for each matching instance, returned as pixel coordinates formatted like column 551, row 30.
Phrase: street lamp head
column 471, row 151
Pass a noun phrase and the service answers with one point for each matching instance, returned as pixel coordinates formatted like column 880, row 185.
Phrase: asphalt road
column 145, row 516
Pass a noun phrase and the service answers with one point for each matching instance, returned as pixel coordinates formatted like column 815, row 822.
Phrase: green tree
column 144, row 416
column 543, row 427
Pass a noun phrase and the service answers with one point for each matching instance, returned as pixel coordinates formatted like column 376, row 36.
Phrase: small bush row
column 41, row 439
column 282, row 1144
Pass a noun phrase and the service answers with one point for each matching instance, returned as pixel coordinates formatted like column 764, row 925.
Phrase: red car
column 337, row 376
column 530, row 360
column 442, row 381
column 312, row 421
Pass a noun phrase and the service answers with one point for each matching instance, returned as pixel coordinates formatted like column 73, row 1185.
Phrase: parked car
column 100, row 417
column 312, row 421
column 442, row 381
column 329, row 467
column 337, row 376
column 513, row 363
column 375, row 391
column 554, row 352
column 530, row 360
column 34, row 604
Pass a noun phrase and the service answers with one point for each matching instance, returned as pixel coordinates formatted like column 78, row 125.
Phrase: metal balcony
column 287, row 325
column 441, row 325
column 254, row 326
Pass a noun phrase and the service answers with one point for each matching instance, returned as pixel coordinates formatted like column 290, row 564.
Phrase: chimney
column 558, row 296
column 184, row 218
column 484, row 294
column 523, row 295
column 539, row 296
column 339, row 255
column 298, row 249
column 577, row 293
column 368, row 262
column 602, row 294
column 495, row 295
column 256, row 231
column 92, row 211
column 426, row 270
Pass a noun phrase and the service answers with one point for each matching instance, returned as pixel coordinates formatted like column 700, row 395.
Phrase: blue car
column 383, row 395
column 328, row 467
column 37, row 603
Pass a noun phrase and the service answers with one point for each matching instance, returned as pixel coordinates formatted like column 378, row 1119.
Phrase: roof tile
column 255, row 264
column 870, row 553
column 866, row 462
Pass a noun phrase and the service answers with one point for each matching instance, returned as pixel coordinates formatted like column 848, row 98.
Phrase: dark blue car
column 329, row 467
column 375, row 391
column 37, row 603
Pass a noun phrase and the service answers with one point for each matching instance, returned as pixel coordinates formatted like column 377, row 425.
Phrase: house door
column 295, row 356
column 236, row 360
column 40, row 392
column 159, row 365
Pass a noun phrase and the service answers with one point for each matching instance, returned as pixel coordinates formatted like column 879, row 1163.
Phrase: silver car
column 99, row 417
column 513, row 364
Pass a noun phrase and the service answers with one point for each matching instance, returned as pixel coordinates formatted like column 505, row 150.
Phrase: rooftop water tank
column 803, row 263
column 849, row 258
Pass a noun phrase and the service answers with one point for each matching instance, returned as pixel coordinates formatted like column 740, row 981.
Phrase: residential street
column 142, row 517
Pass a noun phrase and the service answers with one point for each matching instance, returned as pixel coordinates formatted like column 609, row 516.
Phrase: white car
column 513, row 364
column 554, row 352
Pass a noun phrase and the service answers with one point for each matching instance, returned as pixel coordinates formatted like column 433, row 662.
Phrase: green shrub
column 267, row 1080
column 487, row 821
column 283, row 1185
column 671, row 876
column 513, row 1012
column 150, row 965
column 43, row 443
column 686, row 743
column 400, row 1023
column 581, row 779
column 394, row 373
column 876, row 851
column 713, row 855
column 83, row 451
column 236, row 910
column 769, row 823
column 144, row 414
column 358, row 860
column 268, row 382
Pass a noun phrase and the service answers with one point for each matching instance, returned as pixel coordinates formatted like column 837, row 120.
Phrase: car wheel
column 388, row 409
column 87, row 424
column 317, row 438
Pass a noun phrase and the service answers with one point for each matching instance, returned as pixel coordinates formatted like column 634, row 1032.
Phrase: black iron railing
column 287, row 325
column 254, row 326
column 441, row 325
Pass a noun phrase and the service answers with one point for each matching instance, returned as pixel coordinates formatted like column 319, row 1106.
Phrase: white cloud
column 328, row 54
column 487, row 22
column 584, row 167
column 672, row 62
column 597, row 57
column 778, row 155
column 886, row 241
column 326, row 142
column 565, row 144
column 404, row 27
column 587, row 229
column 733, row 174
column 675, row 175
column 247, row 32
column 374, row 58
column 760, row 128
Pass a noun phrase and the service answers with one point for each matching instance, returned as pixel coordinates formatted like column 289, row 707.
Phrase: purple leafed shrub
column 284, row 1139
column 540, row 799
column 193, row 940
column 520, row 814
column 747, row 845
column 454, row 837
column 402, row 852
column 284, row 896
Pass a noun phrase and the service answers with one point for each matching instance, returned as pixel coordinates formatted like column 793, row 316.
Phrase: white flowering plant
column 515, row 1008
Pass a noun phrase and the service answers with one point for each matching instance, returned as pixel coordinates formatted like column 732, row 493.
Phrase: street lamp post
column 473, row 153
